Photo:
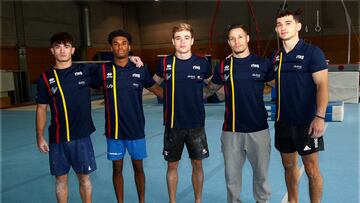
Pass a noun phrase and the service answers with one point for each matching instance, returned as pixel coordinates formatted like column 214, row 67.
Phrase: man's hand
column 270, row 83
column 210, row 89
column 157, row 90
column 322, row 96
column 158, row 79
column 137, row 61
column 42, row 145
column 40, row 125
column 316, row 128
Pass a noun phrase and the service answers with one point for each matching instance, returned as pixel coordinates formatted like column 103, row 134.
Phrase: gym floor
column 25, row 175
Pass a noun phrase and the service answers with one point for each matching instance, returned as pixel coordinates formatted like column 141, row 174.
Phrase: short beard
column 64, row 61
column 238, row 52
column 121, row 57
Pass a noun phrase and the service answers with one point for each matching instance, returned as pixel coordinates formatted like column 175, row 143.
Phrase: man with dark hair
column 61, row 38
column 302, row 97
column 184, row 116
column 117, row 33
column 123, row 85
column 245, row 130
column 66, row 89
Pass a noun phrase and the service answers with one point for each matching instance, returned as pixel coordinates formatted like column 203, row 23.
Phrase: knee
column 313, row 174
column 138, row 170
column 61, row 185
column 117, row 168
column 172, row 166
column 289, row 165
column 85, row 181
column 197, row 165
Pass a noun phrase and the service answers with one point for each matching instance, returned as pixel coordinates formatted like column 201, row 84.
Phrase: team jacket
column 183, row 90
column 67, row 91
column 243, row 80
column 296, row 89
column 123, row 88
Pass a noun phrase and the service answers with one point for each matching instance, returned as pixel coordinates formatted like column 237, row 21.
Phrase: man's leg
column 85, row 187
column 289, row 161
column 118, row 180
column 172, row 180
column 313, row 173
column 139, row 179
column 258, row 152
column 198, row 150
column 83, row 163
column 234, row 158
column 61, row 188
column 197, row 179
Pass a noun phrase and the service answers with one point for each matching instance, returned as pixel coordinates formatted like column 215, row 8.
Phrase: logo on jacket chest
column 226, row 77
column 168, row 66
column 51, row 81
column 256, row 75
column 168, row 76
column 78, row 73
column 191, row 76
column 255, row 65
column 196, row 67
column 299, row 67
column 227, row 74
column 54, row 89
column 136, row 75
column 301, row 57
column 277, row 58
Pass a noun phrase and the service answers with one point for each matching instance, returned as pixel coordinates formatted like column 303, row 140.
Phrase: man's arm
column 157, row 90
column 210, row 89
column 270, row 83
column 40, row 126
column 322, row 98
column 158, row 79
column 206, row 81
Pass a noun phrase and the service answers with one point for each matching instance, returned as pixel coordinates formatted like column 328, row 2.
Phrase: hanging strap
column 57, row 123
column 106, row 100
column 64, row 106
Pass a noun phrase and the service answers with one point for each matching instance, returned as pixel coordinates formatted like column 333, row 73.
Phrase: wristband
column 320, row 117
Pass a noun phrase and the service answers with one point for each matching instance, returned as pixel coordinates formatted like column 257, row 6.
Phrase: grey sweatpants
column 236, row 147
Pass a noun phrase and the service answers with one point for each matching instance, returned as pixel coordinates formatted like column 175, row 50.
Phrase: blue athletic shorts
column 79, row 154
column 116, row 149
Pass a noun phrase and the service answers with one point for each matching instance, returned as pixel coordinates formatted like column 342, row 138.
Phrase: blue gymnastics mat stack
column 334, row 111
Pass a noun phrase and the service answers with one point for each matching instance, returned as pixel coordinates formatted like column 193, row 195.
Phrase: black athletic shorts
column 195, row 140
column 291, row 138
